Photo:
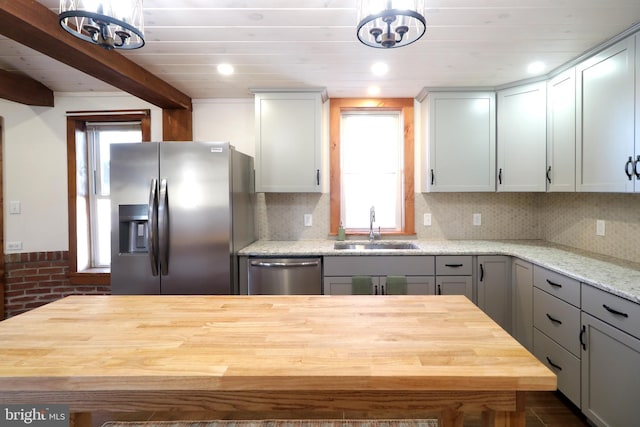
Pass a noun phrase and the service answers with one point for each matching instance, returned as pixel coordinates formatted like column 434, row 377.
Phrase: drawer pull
column 453, row 265
column 553, row 319
column 559, row 368
column 614, row 311
column 555, row 285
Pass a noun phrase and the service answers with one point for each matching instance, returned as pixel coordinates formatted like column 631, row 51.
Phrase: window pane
column 372, row 161
column 103, row 234
column 104, row 139
column 101, row 136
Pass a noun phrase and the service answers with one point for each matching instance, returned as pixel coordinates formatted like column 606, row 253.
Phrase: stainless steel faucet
column 372, row 218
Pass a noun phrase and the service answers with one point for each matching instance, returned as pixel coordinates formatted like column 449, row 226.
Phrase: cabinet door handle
column 500, row 176
column 481, row 272
column 317, row 176
column 549, row 174
column 636, row 169
column 582, row 332
column 553, row 319
column 433, row 177
column 375, row 290
column 439, row 289
column 629, row 168
column 382, row 292
column 555, row 285
column 614, row 311
column 558, row 367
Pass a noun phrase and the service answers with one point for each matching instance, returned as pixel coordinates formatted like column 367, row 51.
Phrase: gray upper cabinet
column 461, row 142
column 288, row 142
column 522, row 138
column 605, row 96
column 561, row 132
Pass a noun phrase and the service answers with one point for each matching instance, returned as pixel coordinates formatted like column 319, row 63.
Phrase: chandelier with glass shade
column 390, row 23
column 112, row 24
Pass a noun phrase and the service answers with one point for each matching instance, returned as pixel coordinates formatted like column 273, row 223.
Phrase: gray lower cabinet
column 419, row 271
column 556, row 333
column 454, row 275
column 494, row 288
column 610, row 358
column 522, row 305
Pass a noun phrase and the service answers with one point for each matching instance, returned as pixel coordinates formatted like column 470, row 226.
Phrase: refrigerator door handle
column 153, row 226
column 163, row 228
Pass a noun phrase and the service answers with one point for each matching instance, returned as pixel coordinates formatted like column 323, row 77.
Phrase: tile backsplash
column 564, row 218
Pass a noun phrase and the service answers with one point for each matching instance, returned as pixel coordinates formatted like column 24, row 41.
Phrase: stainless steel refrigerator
column 180, row 211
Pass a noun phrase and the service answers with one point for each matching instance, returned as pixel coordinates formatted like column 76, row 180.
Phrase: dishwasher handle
column 313, row 263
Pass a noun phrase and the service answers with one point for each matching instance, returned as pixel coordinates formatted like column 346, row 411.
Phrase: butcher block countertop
column 618, row 277
column 176, row 352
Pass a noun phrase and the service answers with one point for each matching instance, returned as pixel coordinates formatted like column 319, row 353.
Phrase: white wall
column 226, row 120
column 35, row 164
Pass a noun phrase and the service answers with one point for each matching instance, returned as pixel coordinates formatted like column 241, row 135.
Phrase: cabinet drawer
column 557, row 284
column 454, row 265
column 617, row 311
column 383, row 265
column 558, row 319
column 564, row 364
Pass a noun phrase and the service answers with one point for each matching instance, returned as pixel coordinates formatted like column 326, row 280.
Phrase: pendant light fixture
column 112, row 24
column 390, row 23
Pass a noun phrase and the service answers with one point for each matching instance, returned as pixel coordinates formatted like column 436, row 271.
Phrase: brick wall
column 35, row 279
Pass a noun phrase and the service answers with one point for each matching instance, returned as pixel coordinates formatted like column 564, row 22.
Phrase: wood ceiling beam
column 34, row 25
column 25, row 90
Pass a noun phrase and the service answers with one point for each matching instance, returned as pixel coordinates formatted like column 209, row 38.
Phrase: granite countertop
column 619, row 277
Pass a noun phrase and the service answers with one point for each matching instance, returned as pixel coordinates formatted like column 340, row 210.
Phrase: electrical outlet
column 600, row 227
column 308, row 220
column 14, row 246
column 427, row 219
column 477, row 219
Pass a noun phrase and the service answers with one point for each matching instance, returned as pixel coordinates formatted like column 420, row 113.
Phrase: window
column 89, row 136
column 372, row 160
column 100, row 138
column 372, row 165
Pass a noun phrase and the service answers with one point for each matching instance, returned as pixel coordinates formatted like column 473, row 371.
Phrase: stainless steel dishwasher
column 285, row 276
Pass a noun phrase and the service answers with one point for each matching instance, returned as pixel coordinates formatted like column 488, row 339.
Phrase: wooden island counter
column 270, row 356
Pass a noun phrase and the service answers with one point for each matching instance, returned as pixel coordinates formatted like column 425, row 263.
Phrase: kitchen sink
column 374, row 245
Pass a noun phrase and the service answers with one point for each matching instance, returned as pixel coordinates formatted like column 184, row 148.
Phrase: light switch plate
column 14, row 207
column 427, row 219
column 308, row 220
column 600, row 227
column 477, row 219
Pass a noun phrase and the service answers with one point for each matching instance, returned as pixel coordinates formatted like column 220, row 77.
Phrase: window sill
column 92, row 276
column 358, row 234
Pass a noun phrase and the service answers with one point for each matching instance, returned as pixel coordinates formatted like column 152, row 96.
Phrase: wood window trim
column 336, row 108
column 76, row 122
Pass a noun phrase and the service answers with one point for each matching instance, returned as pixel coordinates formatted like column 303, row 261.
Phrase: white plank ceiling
column 312, row 43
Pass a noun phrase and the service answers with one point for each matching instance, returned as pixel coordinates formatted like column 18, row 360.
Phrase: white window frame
column 96, row 192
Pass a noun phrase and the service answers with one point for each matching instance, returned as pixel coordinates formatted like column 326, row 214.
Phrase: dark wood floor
column 544, row 409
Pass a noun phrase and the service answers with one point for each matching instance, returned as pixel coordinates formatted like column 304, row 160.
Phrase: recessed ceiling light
column 373, row 90
column 225, row 69
column 379, row 68
column 536, row 67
